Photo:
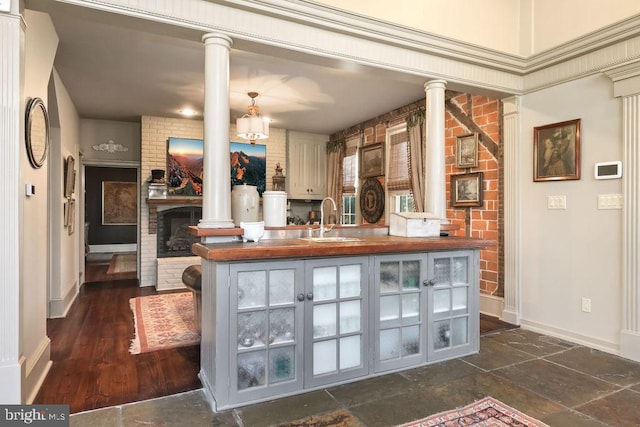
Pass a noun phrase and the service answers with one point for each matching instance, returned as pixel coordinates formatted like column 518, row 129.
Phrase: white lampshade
column 252, row 128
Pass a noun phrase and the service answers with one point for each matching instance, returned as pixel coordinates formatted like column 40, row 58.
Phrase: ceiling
column 121, row 68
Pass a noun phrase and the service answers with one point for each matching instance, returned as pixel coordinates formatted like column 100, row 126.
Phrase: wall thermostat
column 608, row 170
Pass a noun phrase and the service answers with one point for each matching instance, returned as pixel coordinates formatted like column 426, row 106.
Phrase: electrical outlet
column 586, row 305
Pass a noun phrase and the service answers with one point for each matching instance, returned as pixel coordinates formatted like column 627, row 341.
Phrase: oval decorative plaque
column 371, row 200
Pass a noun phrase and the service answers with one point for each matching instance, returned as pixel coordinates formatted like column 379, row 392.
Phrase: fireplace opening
column 174, row 239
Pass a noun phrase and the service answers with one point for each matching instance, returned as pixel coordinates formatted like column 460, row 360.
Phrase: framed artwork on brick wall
column 467, row 189
column 467, row 151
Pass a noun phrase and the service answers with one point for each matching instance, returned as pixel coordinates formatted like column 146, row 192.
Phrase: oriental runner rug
column 122, row 263
column 487, row 412
column 162, row 322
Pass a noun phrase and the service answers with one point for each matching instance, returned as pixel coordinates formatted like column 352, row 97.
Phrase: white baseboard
column 491, row 305
column 59, row 307
column 36, row 369
column 606, row 346
column 115, row 248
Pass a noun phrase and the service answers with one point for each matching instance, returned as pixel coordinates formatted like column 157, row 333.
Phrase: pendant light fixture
column 251, row 126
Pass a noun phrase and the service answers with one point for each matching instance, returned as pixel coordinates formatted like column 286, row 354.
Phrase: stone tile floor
column 559, row 383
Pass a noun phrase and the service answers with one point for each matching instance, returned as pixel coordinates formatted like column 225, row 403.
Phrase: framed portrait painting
column 467, row 190
column 556, row 151
column 467, row 151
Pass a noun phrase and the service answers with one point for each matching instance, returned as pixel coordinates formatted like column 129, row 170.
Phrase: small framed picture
column 372, row 160
column 467, row 189
column 467, row 151
column 556, row 151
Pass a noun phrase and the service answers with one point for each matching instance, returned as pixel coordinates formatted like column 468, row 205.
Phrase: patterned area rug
column 162, row 322
column 487, row 412
column 122, row 263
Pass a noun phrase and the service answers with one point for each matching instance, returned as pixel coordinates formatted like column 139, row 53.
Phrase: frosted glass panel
column 410, row 340
column 389, row 276
column 410, row 274
column 324, row 357
column 251, row 329
column 324, row 283
column 349, row 316
column 281, row 287
column 251, row 289
column 251, row 369
column 460, row 270
column 441, row 300
column 441, row 334
column 350, row 350
column 281, row 325
column 389, row 307
column 442, row 271
column 281, row 364
column 460, row 300
column 324, row 320
column 389, row 344
column 410, row 305
column 459, row 334
column 350, row 281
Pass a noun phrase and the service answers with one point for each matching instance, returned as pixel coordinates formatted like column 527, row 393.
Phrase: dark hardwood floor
column 92, row 367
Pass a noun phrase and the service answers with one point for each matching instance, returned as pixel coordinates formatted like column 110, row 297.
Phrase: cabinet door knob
column 429, row 282
column 300, row 297
column 310, row 296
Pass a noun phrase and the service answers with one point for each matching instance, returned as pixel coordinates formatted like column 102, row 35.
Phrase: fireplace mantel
column 154, row 203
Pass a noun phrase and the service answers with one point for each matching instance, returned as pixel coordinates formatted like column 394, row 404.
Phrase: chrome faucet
column 335, row 208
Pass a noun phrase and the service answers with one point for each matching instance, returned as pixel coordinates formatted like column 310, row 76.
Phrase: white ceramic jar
column 245, row 203
column 274, row 208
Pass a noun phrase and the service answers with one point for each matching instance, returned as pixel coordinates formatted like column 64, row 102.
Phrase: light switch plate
column 609, row 201
column 5, row 5
column 557, row 202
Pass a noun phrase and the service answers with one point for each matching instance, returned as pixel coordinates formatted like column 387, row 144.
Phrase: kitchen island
column 286, row 316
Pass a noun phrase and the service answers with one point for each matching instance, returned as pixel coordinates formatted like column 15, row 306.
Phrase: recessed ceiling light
column 187, row 112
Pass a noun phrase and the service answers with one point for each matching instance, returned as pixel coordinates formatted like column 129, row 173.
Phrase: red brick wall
column 484, row 115
column 480, row 222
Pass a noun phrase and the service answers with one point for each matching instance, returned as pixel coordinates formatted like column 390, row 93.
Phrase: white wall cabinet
column 307, row 166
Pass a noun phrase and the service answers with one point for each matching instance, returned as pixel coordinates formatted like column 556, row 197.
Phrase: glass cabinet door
column 266, row 333
column 336, row 319
column 452, row 298
column 399, row 311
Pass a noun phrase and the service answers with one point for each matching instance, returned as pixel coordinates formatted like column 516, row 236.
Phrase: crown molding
column 305, row 27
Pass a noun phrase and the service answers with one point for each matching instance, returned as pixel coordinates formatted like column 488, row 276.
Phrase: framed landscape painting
column 249, row 165
column 467, row 190
column 185, row 166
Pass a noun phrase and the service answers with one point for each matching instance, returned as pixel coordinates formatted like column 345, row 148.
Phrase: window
column 402, row 202
column 348, row 209
column 350, row 182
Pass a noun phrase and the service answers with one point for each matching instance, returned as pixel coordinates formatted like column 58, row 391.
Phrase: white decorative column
column 512, row 267
column 435, row 188
column 11, row 134
column 216, row 194
column 626, row 84
column 630, row 334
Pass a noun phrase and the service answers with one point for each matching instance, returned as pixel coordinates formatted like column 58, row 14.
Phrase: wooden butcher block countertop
column 301, row 248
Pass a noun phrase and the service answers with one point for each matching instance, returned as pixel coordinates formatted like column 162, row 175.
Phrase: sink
column 333, row 239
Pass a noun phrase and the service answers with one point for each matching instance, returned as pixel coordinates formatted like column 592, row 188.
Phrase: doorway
column 111, row 226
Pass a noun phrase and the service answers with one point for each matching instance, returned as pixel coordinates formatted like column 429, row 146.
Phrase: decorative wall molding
column 298, row 26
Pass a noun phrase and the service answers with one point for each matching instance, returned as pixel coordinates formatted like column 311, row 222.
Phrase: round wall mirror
column 37, row 132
